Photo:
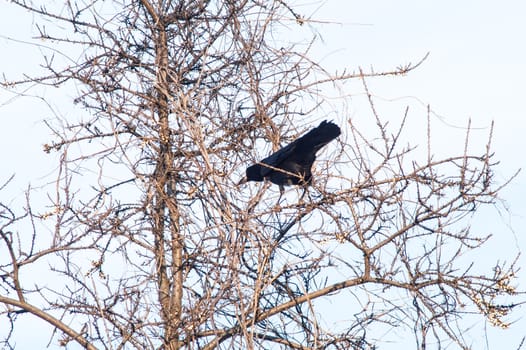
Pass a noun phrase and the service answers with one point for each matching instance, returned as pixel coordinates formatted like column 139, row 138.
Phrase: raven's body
column 291, row 165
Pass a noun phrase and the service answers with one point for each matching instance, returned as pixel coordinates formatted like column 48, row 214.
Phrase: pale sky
column 476, row 69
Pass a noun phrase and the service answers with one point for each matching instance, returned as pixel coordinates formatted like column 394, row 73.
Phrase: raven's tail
column 322, row 135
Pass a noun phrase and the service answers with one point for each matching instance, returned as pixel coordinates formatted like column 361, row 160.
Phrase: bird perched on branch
column 291, row 165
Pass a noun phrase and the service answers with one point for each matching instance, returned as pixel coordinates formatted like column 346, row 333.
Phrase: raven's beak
column 242, row 181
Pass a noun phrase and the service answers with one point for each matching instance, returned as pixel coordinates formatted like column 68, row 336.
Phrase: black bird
column 291, row 165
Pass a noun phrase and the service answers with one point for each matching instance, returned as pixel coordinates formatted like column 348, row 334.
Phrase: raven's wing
column 276, row 158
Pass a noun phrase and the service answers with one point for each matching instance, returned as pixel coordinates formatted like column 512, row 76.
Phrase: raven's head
column 254, row 173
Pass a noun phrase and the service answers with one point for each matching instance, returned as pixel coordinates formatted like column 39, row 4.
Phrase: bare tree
column 152, row 244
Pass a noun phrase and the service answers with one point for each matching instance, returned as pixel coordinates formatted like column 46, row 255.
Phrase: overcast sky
column 476, row 69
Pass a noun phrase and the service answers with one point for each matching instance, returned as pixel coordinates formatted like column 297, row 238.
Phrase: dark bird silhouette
column 291, row 165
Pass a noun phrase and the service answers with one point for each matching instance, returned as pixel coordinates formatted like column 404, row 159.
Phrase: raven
column 291, row 165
